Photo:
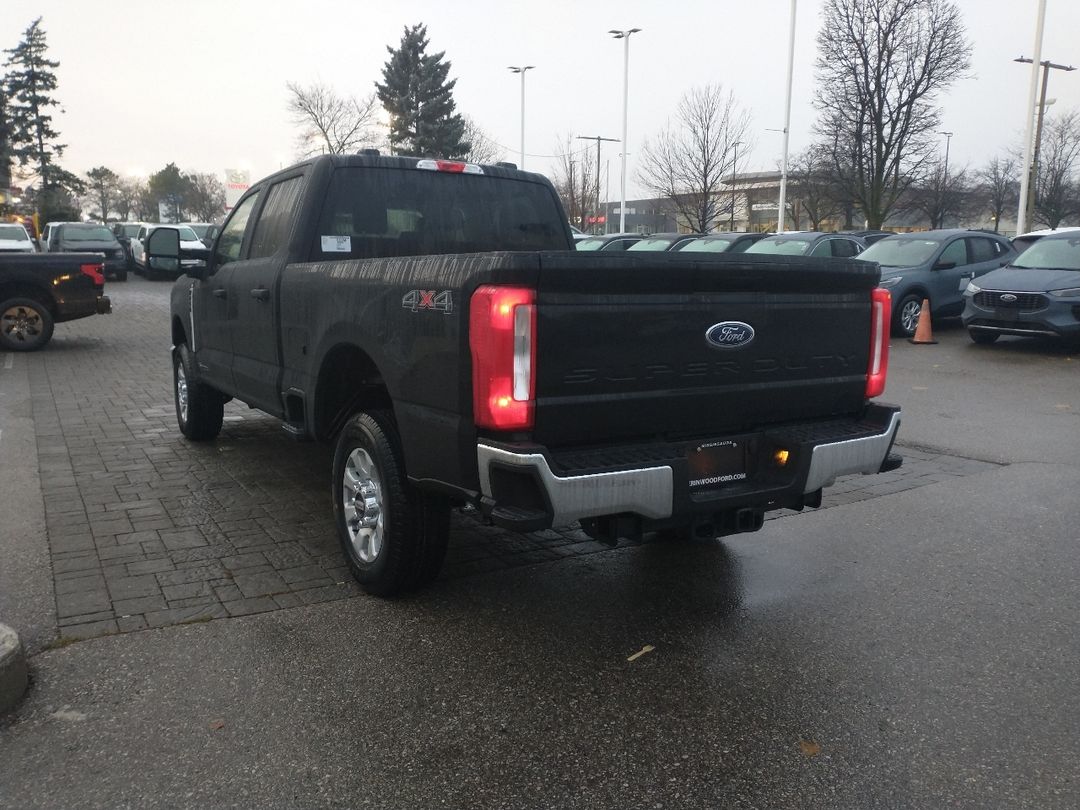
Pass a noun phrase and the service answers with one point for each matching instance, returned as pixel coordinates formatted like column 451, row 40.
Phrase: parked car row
column 1029, row 286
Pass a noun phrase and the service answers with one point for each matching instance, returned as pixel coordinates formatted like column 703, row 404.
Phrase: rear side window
column 231, row 241
column 844, row 248
column 982, row 249
column 372, row 212
column 275, row 221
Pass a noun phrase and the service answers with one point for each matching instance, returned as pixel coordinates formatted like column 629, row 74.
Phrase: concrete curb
column 13, row 672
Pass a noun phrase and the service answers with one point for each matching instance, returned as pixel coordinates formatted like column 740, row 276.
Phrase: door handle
column 261, row 294
column 220, row 293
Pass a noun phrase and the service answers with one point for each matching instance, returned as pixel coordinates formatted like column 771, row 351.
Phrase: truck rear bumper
column 526, row 487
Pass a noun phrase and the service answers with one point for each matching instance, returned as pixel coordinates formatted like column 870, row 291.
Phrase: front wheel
column 393, row 535
column 25, row 324
column 906, row 315
column 200, row 409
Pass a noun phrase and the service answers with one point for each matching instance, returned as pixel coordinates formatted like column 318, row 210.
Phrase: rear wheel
column 25, row 324
column 200, row 409
column 394, row 536
column 983, row 338
column 121, row 275
column 906, row 315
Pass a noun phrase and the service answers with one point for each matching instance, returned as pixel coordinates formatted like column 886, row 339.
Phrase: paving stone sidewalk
column 146, row 529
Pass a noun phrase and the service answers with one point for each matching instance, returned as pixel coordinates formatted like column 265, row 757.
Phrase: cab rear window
column 373, row 212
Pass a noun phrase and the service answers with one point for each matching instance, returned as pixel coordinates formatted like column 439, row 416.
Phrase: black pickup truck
column 40, row 290
column 433, row 321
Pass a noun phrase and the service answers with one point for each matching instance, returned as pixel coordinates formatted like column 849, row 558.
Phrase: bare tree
column 813, row 188
column 575, row 183
column 1057, row 181
column 688, row 162
column 880, row 67
column 999, row 186
column 205, row 199
column 939, row 198
column 482, row 149
column 331, row 123
column 128, row 191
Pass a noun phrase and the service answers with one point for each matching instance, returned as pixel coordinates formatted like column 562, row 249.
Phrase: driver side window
column 956, row 253
column 230, row 241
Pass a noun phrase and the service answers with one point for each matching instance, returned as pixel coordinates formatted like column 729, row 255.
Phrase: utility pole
column 944, row 179
column 597, row 138
column 1029, row 200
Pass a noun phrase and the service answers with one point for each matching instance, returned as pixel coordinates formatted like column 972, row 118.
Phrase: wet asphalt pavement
column 918, row 649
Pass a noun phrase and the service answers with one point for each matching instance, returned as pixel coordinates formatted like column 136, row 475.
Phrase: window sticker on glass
column 337, row 244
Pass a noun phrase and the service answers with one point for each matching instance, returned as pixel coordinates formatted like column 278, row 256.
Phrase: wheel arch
column 23, row 289
column 348, row 381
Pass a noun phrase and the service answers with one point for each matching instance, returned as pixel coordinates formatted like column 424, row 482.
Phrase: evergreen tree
column 103, row 191
column 420, row 100
column 30, row 82
column 170, row 187
column 5, row 140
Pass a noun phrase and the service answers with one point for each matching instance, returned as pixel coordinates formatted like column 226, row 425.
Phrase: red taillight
column 877, row 368
column 502, row 337
column 95, row 271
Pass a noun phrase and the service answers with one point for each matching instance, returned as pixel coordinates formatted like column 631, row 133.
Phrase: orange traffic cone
column 923, row 332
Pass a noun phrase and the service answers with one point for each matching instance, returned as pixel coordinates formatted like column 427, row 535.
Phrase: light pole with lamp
column 781, row 217
column 1029, row 203
column 734, row 165
column 625, row 37
column 521, row 70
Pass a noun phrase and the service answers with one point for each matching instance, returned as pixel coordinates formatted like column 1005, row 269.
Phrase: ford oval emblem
column 730, row 335
column 1008, row 298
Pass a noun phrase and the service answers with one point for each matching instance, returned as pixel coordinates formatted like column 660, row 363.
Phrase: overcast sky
column 202, row 84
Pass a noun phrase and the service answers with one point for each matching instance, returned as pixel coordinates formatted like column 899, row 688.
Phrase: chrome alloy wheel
column 21, row 323
column 909, row 316
column 181, row 392
column 362, row 498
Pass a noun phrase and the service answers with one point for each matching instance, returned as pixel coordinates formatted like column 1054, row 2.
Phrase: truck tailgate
column 622, row 351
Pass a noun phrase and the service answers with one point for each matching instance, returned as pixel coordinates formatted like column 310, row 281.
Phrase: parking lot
column 912, row 643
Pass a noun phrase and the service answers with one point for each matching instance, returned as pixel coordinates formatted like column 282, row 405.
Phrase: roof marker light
column 451, row 166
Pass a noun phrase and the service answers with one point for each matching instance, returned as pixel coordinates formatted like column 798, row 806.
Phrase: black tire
column 121, row 275
column 906, row 315
column 403, row 546
column 25, row 324
column 983, row 338
column 200, row 409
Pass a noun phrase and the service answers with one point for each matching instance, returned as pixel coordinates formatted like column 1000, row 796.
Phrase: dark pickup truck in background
column 432, row 319
column 40, row 290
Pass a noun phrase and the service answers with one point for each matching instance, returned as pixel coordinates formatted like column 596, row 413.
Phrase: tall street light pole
column 781, row 217
column 597, row 138
column 521, row 69
column 1033, row 85
column 1046, row 65
column 625, row 37
column 944, row 179
column 734, row 165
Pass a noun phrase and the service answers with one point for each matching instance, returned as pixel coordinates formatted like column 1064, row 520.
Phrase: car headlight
column 892, row 281
column 1072, row 292
column 972, row 288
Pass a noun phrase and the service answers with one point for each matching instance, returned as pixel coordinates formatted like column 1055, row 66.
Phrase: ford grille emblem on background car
column 730, row 334
column 1008, row 298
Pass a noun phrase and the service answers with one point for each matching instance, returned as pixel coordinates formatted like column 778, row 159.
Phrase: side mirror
column 944, row 265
